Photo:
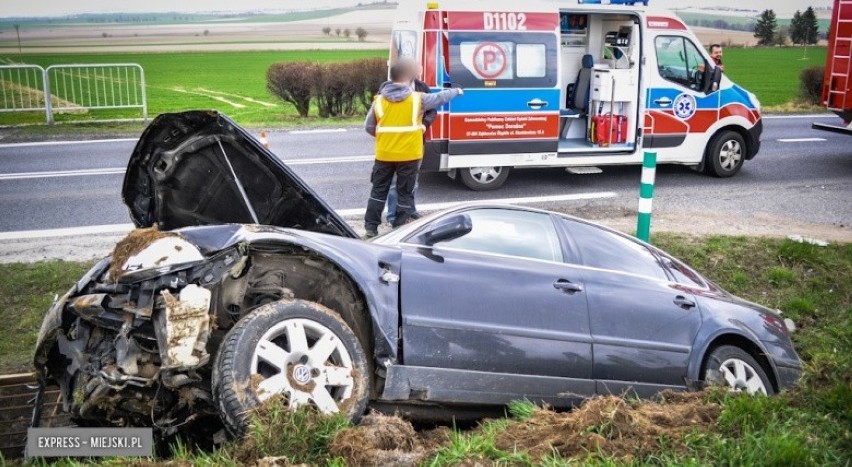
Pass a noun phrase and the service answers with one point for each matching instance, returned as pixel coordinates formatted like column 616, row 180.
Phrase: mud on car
column 241, row 284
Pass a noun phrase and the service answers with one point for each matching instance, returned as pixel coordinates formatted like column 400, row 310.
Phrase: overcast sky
column 70, row 7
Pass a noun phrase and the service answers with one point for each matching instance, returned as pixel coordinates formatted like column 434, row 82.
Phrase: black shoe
column 415, row 215
column 371, row 234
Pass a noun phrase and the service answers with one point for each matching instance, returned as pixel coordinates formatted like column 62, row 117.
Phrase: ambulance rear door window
column 503, row 60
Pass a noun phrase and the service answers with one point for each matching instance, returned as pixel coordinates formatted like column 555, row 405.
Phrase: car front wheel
column 293, row 348
column 735, row 369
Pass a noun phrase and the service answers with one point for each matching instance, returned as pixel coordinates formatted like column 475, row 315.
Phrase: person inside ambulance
column 396, row 121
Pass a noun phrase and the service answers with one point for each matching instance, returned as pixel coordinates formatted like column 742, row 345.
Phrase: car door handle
column 567, row 286
column 684, row 302
column 663, row 102
column 536, row 104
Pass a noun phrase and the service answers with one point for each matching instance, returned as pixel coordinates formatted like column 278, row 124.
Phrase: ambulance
column 578, row 86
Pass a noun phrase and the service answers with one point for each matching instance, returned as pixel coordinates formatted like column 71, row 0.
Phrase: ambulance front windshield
column 404, row 45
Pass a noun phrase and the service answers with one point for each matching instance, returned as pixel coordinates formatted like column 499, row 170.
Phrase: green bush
column 338, row 88
column 810, row 85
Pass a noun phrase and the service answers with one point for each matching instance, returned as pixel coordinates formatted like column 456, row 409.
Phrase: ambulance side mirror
column 712, row 78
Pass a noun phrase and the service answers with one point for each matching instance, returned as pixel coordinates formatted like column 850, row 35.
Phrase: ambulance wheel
column 725, row 154
column 484, row 178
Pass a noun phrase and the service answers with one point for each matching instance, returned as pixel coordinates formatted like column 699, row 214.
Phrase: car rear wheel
column 735, row 369
column 297, row 349
column 725, row 154
column 484, row 178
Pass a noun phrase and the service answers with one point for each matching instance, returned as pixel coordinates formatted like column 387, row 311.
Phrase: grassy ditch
column 809, row 425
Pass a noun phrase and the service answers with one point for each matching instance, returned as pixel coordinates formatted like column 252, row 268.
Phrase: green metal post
column 646, row 196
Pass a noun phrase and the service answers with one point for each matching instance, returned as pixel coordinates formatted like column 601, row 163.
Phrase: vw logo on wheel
column 684, row 106
column 302, row 374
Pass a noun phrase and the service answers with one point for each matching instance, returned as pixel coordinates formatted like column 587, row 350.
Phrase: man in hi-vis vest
column 396, row 120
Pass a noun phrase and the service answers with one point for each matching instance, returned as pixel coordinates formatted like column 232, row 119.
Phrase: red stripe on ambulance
column 504, row 126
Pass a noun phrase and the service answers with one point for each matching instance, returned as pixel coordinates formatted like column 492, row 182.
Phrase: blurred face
column 716, row 54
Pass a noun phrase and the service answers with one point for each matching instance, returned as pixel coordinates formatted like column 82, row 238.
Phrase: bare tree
column 326, row 30
column 361, row 33
column 206, row 32
column 347, row 33
column 337, row 31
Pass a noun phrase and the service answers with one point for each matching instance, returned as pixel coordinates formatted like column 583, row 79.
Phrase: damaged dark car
column 241, row 284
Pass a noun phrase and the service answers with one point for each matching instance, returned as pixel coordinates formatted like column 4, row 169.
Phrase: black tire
column 725, row 154
column 477, row 180
column 728, row 355
column 235, row 384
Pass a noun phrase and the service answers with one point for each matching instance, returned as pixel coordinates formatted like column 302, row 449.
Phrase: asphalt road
column 808, row 179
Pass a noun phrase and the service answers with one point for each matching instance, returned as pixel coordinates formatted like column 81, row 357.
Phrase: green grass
column 771, row 73
column 810, row 425
column 27, row 290
column 236, row 75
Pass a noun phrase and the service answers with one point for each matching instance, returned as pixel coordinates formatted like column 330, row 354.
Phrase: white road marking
column 62, row 173
column 782, row 117
column 121, row 170
column 528, row 200
column 329, row 160
column 800, row 140
column 68, row 232
column 318, row 130
column 63, row 143
column 124, row 228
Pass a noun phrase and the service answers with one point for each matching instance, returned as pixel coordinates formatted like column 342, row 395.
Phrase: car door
column 677, row 102
column 497, row 300
column 507, row 64
column 642, row 324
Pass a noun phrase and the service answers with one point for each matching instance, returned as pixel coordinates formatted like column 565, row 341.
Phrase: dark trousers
column 406, row 178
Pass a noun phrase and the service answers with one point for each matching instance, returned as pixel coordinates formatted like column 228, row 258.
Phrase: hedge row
column 338, row 89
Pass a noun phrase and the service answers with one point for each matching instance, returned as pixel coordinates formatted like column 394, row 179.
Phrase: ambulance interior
column 599, row 82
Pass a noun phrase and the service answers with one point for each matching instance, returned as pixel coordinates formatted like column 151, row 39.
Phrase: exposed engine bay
column 135, row 340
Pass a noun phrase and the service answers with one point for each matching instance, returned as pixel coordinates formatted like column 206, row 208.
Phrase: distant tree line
column 721, row 24
column 803, row 29
column 360, row 33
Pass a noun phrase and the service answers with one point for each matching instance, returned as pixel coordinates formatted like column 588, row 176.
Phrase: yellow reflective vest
column 399, row 128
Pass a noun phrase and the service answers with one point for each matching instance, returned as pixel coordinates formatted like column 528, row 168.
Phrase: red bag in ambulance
column 608, row 129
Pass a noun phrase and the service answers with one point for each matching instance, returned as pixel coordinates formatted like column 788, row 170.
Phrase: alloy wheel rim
column 741, row 377
column 485, row 175
column 730, row 154
column 306, row 362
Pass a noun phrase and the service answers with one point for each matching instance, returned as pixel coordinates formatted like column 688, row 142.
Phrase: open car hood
column 200, row 168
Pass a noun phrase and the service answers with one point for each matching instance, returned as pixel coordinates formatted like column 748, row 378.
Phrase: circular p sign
column 489, row 60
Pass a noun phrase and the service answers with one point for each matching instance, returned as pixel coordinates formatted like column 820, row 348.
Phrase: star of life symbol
column 684, row 106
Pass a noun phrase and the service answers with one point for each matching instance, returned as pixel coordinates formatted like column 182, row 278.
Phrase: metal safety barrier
column 22, row 88
column 73, row 88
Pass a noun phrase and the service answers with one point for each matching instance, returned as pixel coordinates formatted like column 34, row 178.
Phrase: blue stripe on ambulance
column 504, row 100
column 732, row 95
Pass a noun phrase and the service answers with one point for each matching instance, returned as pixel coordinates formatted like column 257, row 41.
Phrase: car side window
column 606, row 250
column 682, row 273
column 509, row 232
column 679, row 60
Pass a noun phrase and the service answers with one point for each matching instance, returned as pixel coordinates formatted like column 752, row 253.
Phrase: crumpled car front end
column 129, row 344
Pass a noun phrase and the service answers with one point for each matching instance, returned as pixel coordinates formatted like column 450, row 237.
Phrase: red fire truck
column 837, row 85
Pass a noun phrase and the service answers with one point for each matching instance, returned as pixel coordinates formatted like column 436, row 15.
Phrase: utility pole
column 18, row 32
